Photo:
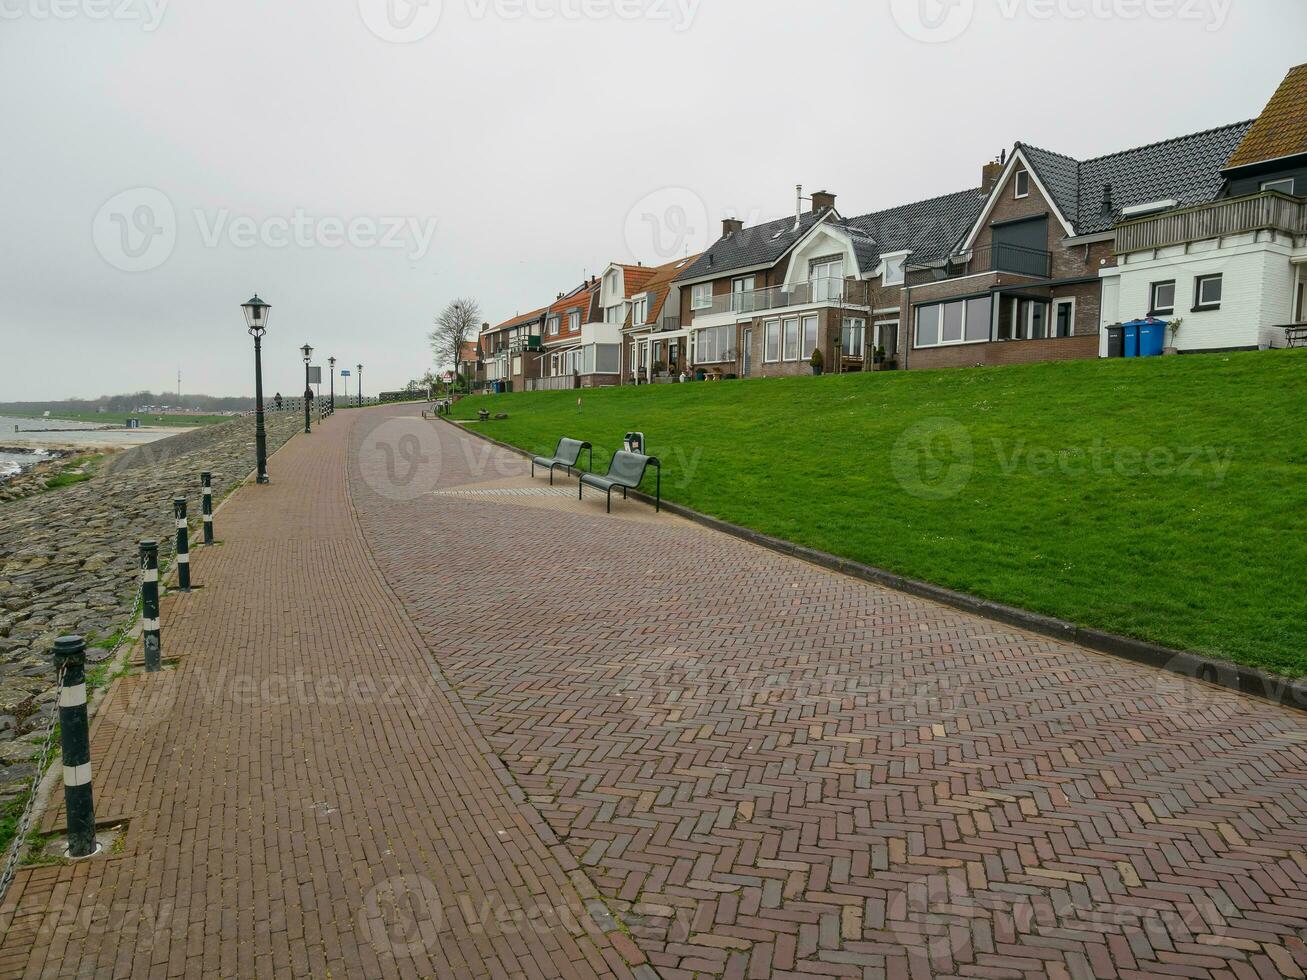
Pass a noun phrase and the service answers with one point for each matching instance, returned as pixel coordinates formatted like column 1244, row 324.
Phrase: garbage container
column 1152, row 338
column 1131, row 344
column 1116, row 341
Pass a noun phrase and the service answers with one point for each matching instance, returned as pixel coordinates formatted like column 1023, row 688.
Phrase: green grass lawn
column 1162, row 498
column 120, row 418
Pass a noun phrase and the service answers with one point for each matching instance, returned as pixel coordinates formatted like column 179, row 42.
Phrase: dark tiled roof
column 1281, row 129
column 1186, row 169
column 761, row 244
column 929, row 228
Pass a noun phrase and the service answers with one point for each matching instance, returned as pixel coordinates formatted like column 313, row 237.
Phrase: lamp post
column 360, row 385
column 307, row 351
column 256, row 319
column 331, row 362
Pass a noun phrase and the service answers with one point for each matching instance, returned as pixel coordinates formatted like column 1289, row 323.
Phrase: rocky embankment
column 68, row 561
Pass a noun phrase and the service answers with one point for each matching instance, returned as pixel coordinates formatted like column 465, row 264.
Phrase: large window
column 809, row 337
column 701, row 296
column 1161, row 298
column 956, row 322
column 771, row 344
column 1064, row 317
column 1207, row 293
column 712, row 345
column 827, row 278
column 790, row 342
column 614, row 313
column 852, row 336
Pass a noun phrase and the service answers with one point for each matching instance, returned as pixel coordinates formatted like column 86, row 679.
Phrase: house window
column 894, row 269
column 771, row 346
column 887, row 336
column 1284, row 185
column 1064, row 317
column 613, row 314
column 853, row 336
column 809, row 337
column 1022, row 183
column 741, row 294
column 1038, row 320
column 712, row 345
column 701, row 296
column 553, row 325
column 1207, row 293
column 790, row 348
column 574, row 321
column 640, row 310
column 955, row 322
column 1161, row 298
column 827, row 278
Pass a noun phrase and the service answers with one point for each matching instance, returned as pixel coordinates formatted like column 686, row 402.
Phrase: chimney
column 1107, row 207
column 989, row 175
column 731, row 225
column 822, row 200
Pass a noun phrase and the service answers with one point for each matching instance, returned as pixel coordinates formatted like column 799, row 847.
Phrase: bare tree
column 457, row 323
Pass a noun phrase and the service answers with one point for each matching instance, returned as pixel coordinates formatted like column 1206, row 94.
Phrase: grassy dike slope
column 1163, row 498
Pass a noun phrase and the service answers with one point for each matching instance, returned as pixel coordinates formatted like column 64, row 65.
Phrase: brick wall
column 1005, row 352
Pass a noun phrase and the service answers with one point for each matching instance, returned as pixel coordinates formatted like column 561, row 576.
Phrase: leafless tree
column 457, row 323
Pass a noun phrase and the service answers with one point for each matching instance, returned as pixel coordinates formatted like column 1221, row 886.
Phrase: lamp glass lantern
column 256, row 314
column 307, row 351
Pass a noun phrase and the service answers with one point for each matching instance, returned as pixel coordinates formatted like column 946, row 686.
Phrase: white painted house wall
column 1257, row 291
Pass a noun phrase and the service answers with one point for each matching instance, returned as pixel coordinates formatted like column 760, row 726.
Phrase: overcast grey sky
column 360, row 163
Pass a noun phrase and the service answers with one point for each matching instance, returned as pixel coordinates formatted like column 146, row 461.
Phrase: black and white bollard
column 206, row 505
column 183, row 547
column 74, row 733
column 150, row 605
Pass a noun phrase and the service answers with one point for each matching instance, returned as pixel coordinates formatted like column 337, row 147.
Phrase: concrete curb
column 1221, row 673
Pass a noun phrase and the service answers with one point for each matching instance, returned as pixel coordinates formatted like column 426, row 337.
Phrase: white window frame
column 724, row 353
column 1199, row 282
column 851, row 327
column 639, row 309
column 892, row 263
column 771, row 354
column 1017, row 192
column 701, row 296
column 785, row 338
column 813, row 321
column 962, row 336
column 878, row 335
column 1270, row 185
column 1153, row 308
column 554, row 323
column 1063, row 301
column 574, row 321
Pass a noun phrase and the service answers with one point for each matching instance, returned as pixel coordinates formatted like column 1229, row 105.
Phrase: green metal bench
column 626, row 471
column 566, row 455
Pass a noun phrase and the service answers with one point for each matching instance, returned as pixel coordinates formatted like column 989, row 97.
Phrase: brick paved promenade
column 764, row 769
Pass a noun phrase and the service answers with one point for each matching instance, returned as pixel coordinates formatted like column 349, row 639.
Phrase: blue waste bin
column 1152, row 338
column 1131, row 339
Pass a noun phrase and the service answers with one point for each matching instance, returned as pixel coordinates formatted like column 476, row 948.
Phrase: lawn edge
column 1251, row 681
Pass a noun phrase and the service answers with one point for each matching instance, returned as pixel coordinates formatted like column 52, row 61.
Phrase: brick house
column 1227, row 269
column 506, row 350
column 651, row 316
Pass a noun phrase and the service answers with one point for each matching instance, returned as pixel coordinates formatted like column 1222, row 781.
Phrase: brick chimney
column 822, row 200
column 731, row 225
column 989, row 175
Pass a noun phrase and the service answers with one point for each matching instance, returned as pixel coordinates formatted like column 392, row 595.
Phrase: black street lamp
column 360, row 385
column 307, row 351
column 256, row 318
column 331, row 361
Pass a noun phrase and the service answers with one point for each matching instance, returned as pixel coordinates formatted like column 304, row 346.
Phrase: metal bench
column 1295, row 334
column 566, row 455
column 626, row 471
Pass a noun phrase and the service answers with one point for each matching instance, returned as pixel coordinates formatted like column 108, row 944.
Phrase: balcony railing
column 999, row 257
column 829, row 291
column 1267, row 211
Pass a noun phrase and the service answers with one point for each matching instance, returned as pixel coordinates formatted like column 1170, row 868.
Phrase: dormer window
column 1284, row 185
column 1021, row 183
column 894, row 266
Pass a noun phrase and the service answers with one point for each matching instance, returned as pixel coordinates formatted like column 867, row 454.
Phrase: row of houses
column 1042, row 260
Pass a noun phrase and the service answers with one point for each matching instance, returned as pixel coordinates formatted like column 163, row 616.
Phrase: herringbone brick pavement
column 775, row 771
column 303, row 794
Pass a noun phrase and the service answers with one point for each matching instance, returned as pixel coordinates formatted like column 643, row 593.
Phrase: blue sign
column 344, row 373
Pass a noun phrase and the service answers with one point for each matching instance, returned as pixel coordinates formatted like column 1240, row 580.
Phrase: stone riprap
column 68, row 562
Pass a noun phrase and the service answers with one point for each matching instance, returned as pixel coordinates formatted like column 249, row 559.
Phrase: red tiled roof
column 659, row 283
column 636, row 278
column 514, row 321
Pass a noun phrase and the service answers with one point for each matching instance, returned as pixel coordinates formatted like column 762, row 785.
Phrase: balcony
column 519, row 345
column 1015, row 259
column 828, row 292
column 1267, row 211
